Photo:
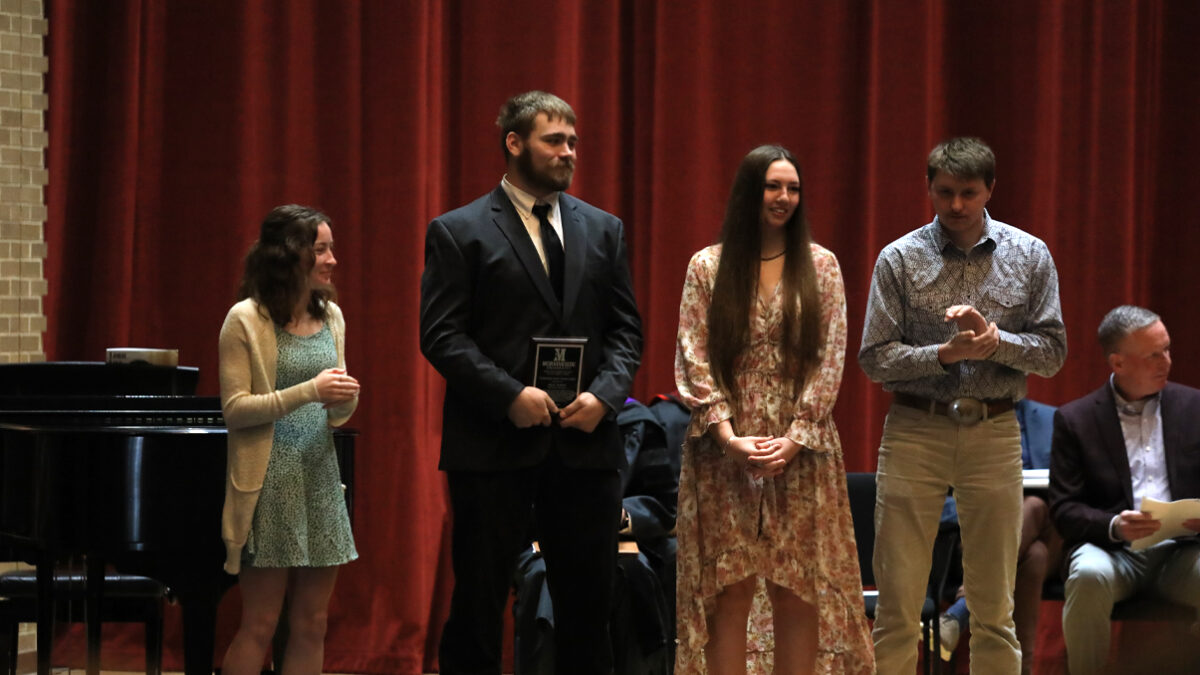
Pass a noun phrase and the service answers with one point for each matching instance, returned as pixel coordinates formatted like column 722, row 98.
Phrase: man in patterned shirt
column 959, row 312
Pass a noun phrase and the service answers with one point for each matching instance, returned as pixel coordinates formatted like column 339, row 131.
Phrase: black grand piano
column 120, row 465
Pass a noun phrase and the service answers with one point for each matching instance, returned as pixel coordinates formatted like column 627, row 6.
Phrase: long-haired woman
column 284, row 386
column 765, row 535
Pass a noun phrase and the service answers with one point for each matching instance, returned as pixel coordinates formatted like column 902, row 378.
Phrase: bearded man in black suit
column 1137, row 436
column 526, row 261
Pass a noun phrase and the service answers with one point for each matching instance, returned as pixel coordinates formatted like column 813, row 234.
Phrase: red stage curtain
column 175, row 126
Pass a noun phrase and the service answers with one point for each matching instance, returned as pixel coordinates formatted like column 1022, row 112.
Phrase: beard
column 554, row 178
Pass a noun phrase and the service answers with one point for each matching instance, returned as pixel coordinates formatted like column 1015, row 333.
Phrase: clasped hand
column 975, row 339
column 763, row 456
column 335, row 386
column 534, row 407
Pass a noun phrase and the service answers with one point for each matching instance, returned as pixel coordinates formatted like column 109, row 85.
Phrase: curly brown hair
column 278, row 264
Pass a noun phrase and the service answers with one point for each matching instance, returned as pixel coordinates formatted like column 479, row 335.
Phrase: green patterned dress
column 301, row 518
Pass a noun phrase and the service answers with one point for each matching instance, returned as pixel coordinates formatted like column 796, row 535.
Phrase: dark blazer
column 650, row 484
column 484, row 294
column 1089, row 468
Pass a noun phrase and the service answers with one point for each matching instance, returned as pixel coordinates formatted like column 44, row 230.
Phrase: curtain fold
column 175, row 126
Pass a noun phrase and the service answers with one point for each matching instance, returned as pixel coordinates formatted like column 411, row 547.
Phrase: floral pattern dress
column 301, row 518
column 794, row 529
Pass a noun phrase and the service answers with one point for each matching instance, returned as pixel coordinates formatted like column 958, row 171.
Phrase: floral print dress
column 794, row 529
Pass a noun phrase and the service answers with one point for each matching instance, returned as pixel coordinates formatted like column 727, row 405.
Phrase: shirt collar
column 524, row 202
column 988, row 239
column 1128, row 407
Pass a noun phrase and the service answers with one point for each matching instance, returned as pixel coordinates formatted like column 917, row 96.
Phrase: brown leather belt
column 964, row 411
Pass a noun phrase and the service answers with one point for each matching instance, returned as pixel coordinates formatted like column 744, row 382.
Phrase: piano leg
column 45, row 611
column 199, row 629
column 95, row 596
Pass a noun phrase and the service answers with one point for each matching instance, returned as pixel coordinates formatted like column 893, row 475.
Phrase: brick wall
column 23, row 65
column 23, row 100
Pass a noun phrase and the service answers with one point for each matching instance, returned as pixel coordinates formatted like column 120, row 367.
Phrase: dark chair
column 127, row 598
column 861, row 489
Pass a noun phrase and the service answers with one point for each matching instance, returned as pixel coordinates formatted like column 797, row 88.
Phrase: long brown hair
column 735, row 288
column 278, row 264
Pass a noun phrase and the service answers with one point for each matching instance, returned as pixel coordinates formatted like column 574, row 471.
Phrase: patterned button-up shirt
column 1008, row 276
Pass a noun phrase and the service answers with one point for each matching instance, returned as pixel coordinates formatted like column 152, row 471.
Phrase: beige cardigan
column 251, row 404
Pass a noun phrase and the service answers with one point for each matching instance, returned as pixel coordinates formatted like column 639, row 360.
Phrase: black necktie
column 553, row 248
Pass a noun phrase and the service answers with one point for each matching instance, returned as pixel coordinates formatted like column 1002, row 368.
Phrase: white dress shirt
column 1141, row 425
column 524, row 202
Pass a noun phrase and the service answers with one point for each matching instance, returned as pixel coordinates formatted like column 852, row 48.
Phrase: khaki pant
column 1099, row 578
column 920, row 455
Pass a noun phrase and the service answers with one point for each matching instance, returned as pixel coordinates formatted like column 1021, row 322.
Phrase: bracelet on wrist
column 725, row 448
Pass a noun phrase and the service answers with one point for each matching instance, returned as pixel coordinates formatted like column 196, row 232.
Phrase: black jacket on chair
column 643, row 617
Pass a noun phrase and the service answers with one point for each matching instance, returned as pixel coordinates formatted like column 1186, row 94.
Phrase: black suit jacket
column 650, row 484
column 1089, row 468
column 484, row 294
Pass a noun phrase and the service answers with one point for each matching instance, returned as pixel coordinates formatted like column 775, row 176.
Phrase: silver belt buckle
column 965, row 412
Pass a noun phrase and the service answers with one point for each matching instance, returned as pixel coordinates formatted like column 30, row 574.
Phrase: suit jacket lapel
column 504, row 215
column 574, row 249
column 1112, row 437
column 1171, row 440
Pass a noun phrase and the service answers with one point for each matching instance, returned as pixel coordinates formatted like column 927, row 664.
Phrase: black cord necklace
column 770, row 258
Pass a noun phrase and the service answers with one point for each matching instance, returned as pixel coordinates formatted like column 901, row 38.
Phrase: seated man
column 1135, row 437
column 643, row 618
column 1041, row 547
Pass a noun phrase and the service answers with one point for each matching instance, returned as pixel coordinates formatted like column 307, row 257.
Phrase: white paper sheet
column 1172, row 515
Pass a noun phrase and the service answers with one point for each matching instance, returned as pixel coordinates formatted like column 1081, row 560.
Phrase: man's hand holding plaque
column 558, row 367
column 584, row 413
column 558, row 376
column 532, row 407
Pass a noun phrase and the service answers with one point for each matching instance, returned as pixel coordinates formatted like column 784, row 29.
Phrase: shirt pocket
column 926, row 314
column 1005, row 305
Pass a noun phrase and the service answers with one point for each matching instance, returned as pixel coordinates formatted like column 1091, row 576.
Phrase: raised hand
column 968, row 344
column 967, row 318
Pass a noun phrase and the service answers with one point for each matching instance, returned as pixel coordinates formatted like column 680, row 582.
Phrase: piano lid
column 95, row 378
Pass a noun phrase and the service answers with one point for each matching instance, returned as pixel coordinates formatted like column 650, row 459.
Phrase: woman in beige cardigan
column 283, row 386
